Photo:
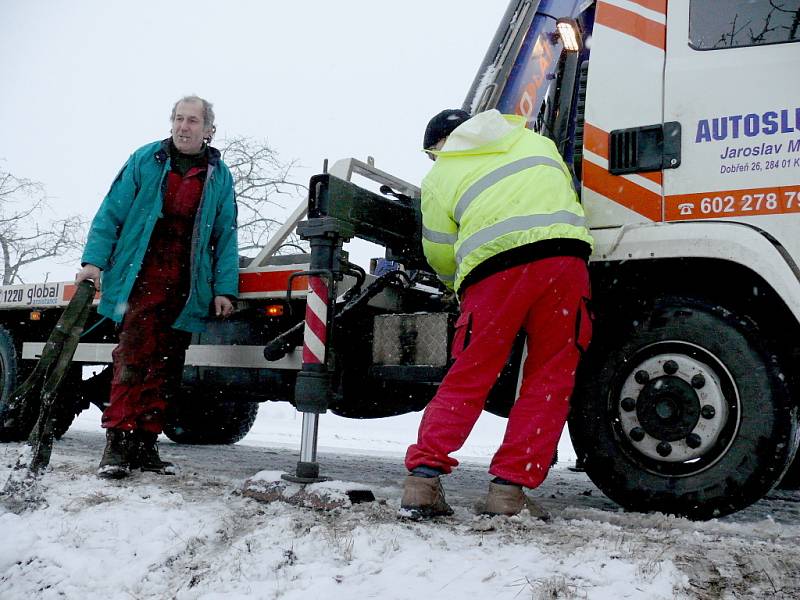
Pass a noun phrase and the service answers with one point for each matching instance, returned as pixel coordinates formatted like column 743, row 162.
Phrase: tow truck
column 680, row 122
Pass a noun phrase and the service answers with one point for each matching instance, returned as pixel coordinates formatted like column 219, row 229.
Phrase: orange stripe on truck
column 776, row 200
column 260, row 281
column 654, row 176
column 630, row 23
column 255, row 282
column 622, row 191
column 69, row 289
column 595, row 140
column 270, row 281
column 659, row 6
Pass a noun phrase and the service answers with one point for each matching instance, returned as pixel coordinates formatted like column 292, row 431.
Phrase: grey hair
column 208, row 110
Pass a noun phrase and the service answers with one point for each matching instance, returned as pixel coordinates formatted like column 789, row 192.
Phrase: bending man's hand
column 223, row 307
column 89, row 272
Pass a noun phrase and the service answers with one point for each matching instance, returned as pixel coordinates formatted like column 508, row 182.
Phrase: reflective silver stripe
column 513, row 224
column 450, row 278
column 437, row 237
column 489, row 180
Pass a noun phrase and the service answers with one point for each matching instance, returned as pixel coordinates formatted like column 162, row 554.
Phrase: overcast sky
column 85, row 82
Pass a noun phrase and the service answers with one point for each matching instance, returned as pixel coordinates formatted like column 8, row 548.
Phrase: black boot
column 144, row 449
column 115, row 463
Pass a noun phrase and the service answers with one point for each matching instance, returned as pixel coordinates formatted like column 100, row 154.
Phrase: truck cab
column 681, row 122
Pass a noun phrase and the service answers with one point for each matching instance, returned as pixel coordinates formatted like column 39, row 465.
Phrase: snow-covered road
column 194, row 536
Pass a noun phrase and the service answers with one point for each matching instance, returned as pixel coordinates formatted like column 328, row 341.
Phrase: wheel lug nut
column 670, row 367
column 628, row 404
column 637, row 434
column 698, row 381
column 708, row 411
column 642, row 377
column 664, row 449
column 693, row 440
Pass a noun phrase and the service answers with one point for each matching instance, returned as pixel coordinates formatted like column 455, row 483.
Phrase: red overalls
column 148, row 361
column 547, row 299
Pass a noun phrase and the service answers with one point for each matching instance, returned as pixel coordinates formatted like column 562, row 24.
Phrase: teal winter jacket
column 121, row 230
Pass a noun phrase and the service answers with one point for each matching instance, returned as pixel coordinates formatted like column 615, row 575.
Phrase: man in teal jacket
column 165, row 241
column 502, row 226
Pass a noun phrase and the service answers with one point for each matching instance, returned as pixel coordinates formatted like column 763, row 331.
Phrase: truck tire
column 70, row 403
column 62, row 421
column 683, row 411
column 16, row 427
column 204, row 417
column 791, row 479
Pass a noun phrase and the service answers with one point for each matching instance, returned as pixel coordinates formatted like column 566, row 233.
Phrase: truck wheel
column 684, row 412
column 73, row 397
column 63, row 421
column 204, row 417
column 791, row 479
column 14, row 426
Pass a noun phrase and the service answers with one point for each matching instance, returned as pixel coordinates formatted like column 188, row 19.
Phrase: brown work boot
column 143, row 448
column 423, row 498
column 509, row 500
column 115, row 463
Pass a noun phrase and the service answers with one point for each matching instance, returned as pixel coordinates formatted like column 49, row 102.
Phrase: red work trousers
column 148, row 361
column 545, row 298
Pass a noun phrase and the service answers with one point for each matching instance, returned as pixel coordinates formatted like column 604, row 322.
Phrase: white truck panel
column 740, row 112
column 732, row 242
column 198, row 355
column 625, row 89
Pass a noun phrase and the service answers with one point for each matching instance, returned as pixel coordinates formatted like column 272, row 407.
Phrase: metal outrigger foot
column 307, row 467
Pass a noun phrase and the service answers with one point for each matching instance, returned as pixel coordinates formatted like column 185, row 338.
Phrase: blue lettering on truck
column 786, row 120
column 753, row 153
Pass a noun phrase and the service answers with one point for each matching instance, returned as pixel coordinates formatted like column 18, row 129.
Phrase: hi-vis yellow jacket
column 495, row 186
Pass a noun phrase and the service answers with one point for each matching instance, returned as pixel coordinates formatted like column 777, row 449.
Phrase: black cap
column 442, row 125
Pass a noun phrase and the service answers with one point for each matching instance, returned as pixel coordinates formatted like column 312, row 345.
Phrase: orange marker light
column 35, row 315
column 274, row 310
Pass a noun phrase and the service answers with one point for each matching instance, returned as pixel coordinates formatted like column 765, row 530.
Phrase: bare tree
column 767, row 28
column 795, row 13
column 27, row 235
column 779, row 24
column 263, row 186
column 727, row 39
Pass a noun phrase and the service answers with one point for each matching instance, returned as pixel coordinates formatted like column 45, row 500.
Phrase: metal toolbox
column 411, row 339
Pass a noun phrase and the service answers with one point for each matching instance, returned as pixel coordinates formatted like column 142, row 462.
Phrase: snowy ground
column 195, row 536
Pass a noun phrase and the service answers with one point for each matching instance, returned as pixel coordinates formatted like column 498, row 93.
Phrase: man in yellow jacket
column 502, row 226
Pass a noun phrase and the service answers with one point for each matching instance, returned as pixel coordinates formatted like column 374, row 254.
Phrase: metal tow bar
column 40, row 391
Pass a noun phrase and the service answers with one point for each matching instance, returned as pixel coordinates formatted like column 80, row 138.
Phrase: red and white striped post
column 315, row 340
column 315, row 337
